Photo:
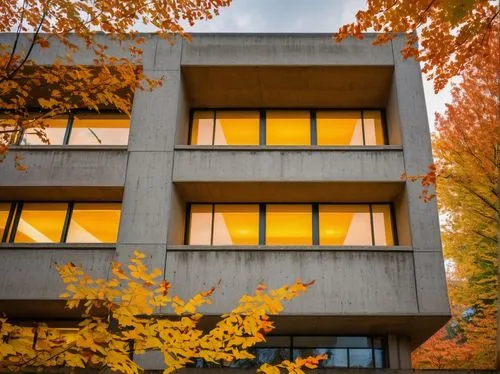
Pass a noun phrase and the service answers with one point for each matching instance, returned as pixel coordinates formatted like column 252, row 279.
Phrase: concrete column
column 148, row 183
column 423, row 217
column 399, row 352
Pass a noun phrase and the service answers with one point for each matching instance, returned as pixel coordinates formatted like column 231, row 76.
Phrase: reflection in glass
column 202, row 130
column 200, row 224
column 360, row 358
column 100, row 129
column 237, row 128
column 336, row 357
column 4, row 215
column 288, row 128
column 332, row 341
column 55, row 129
column 344, row 225
column 94, row 223
column 271, row 356
column 379, row 358
column 374, row 133
column 382, row 225
column 288, row 224
column 339, row 128
column 236, row 224
column 41, row 223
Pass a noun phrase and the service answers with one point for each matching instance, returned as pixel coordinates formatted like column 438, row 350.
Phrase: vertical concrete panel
column 431, row 283
column 417, row 148
column 177, row 220
column 402, row 218
column 154, row 114
column 392, row 351
column 146, row 198
column 392, row 116
column 404, row 352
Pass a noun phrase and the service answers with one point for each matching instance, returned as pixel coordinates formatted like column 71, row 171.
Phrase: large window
column 288, row 127
column 290, row 224
column 30, row 222
column 342, row 351
column 81, row 128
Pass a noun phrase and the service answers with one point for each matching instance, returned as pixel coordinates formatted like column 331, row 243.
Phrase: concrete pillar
column 399, row 352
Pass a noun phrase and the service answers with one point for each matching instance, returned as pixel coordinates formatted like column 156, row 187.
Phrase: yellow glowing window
column 344, row 225
column 200, row 225
column 99, row 129
column 41, row 223
column 339, row 128
column 4, row 215
column 55, row 129
column 237, row 128
column 236, row 225
column 382, row 225
column 374, row 134
column 202, row 130
column 288, row 127
column 94, row 223
column 288, row 224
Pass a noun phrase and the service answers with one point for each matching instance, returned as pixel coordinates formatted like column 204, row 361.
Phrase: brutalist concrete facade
column 399, row 291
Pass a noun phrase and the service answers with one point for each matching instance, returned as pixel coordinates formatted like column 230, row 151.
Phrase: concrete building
column 261, row 158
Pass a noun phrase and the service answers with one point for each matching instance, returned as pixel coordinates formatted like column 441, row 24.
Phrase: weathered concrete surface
column 30, row 273
column 65, row 167
column 302, row 165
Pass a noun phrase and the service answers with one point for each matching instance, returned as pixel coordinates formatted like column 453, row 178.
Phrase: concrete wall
column 399, row 291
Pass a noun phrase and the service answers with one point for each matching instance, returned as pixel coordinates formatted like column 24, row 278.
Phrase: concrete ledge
column 266, row 248
column 68, row 147
column 270, row 148
column 58, row 246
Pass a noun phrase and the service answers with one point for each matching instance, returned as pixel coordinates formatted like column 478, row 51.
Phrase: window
column 81, row 128
column 290, row 224
column 287, row 127
column 225, row 128
column 29, row 222
column 342, row 352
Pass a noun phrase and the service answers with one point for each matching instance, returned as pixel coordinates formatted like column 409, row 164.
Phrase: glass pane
column 41, row 223
column 378, row 342
column 100, row 129
column 200, row 224
column 382, row 225
column 339, row 128
column 288, row 128
column 54, row 132
column 94, row 223
column 374, row 133
column 288, row 224
column 236, row 225
column 360, row 358
column 271, row 355
column 344, row 225
column 379, row 358
column 202, row 130
column 237, row 128
column 336, row 357
column 332, row 341
column 4, row 215
column 9, row 132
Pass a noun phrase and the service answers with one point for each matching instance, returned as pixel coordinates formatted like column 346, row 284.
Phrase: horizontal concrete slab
column 347, row 283
column 65, row 167
column 300, row 165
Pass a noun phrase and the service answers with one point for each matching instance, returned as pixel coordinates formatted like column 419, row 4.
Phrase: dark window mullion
column 190, row 129
column 373, row 353
column 262, row 127
column 67, row 221
column 262, row 224
column 315, row 224
column 187, row 227
column 385, row 130
column 213, row 128
column 392, row 217
column 348, row 358
column 212, row 228
column 69, row 127
column 17, row 217
column 371, row 224
column 10, row 217
column 314, row 132
column 363, row 126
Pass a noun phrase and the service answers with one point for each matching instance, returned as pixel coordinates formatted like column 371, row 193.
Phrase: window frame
column 314, row 217
column 16, row 208
column 69, row 127
column 312, row 124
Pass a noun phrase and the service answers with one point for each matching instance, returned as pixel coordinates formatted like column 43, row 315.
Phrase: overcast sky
column 300, row 16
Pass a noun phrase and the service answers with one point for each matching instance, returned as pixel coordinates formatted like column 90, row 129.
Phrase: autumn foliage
column 122, row 316
column 452, row 34
column 467, row 151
